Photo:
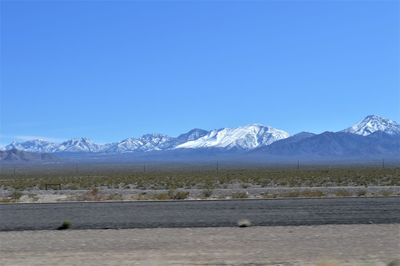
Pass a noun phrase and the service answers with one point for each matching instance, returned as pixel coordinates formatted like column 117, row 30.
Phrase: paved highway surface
column 90, row 215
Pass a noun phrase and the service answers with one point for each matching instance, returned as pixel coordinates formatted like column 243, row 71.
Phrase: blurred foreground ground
column 289, row 245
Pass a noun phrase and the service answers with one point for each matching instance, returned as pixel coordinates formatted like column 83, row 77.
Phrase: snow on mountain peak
column 154, row 141
column 147, row 142
column 373, row 123
column 78, row 145
column 246, row 137
column 35, row 145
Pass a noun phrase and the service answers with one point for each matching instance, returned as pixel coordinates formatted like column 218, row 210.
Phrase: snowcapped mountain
column 43, row 146
column 247, row 137
column 250, row 137
column 126, row 145
column 35, row 145
column 148, row 142
column 373, row 123
column 78, row 145
column 154, row 142
column 185, row 137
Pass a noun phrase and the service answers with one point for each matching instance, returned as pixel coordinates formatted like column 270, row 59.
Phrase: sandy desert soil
column 303, row 245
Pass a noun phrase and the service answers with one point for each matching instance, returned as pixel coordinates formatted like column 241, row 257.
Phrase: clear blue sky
column 110, row 70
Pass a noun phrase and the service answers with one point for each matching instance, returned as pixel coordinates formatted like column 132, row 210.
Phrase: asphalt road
column 92, row 215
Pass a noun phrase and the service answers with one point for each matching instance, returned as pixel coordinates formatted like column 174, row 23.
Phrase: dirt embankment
column 326, row 245
column 234, row 192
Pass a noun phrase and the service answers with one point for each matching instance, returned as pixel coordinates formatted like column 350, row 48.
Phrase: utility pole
column 14, row 171
column 383, row 163
column 217, row 168
column 144, row 168
column 298, row 164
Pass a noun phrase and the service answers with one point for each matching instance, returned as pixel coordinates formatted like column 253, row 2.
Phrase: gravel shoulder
column 289, row 245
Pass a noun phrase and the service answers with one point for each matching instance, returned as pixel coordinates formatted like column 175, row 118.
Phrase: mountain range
column 243, row 138
column 372, row 136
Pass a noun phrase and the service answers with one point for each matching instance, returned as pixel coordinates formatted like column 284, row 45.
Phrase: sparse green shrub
column 244, row 185
column 171, row 195
column 181, row 195
column 206, row 193
column 395, row 262
column 115, row 196
column 5, row 200
column 65, row 225
column 162, row 196
column 386, row 193
column 361, row 193
column 91, row 195
column 16, row 195
column 244, row 223
column 177, row 177
column 94, row 191
column 33, row 196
